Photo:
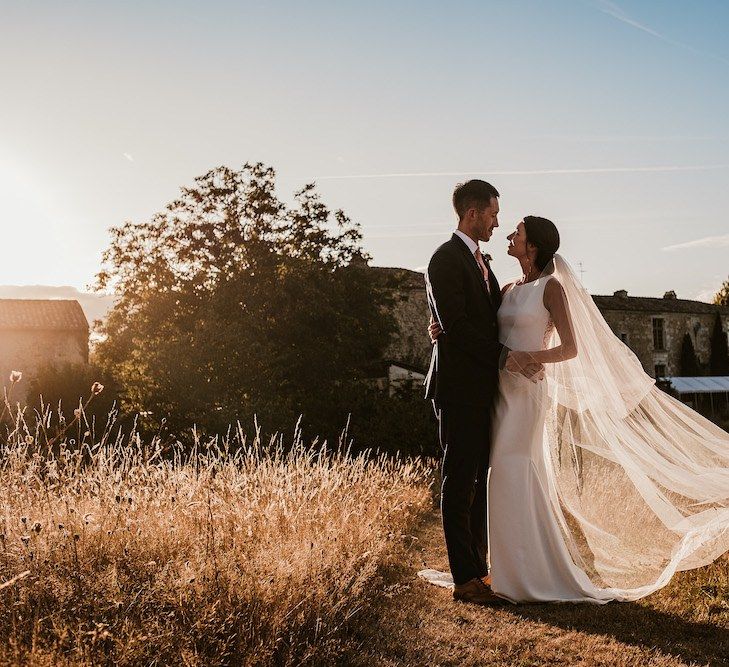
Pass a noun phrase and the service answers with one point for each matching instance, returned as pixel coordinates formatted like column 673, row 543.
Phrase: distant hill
column 95, row 306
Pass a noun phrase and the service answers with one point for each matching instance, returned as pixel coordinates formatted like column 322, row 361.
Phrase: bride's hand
column 517, row 361
column 434, row 331
column 523, row 364
column 534, row 372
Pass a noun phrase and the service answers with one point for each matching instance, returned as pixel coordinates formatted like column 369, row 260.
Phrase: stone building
column 34, row 332
column 652, row 327
column 410, row 347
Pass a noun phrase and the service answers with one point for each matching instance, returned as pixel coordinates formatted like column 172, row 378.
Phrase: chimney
column 670, row 295
column 621, row 294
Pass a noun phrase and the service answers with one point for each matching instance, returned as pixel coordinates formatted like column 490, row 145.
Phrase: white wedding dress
column 601, row 486
column 528, row 558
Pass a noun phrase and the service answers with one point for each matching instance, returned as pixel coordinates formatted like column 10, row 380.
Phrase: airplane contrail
column 705, row 242
column 612, row 9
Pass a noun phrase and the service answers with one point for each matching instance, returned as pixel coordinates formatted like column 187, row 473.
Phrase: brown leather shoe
column 477, row 592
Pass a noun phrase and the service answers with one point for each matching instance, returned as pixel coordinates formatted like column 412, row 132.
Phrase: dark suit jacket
column 465, row 362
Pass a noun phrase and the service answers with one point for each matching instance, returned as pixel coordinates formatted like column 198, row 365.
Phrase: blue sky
column 608, row 118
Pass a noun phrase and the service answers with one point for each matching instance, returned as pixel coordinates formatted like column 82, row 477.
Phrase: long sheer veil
column 638, row 482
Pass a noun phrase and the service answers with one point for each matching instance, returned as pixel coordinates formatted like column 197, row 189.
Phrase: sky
column 609, row 119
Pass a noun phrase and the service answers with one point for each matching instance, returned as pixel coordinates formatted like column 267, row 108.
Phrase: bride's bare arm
column 555, row 302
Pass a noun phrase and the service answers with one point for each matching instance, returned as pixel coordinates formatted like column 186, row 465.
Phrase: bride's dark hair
column 543, row 234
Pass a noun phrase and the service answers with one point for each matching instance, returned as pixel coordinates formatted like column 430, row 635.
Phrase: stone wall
column 411, row 344
column 639, row 329
column 630, row 316
column 26, row 351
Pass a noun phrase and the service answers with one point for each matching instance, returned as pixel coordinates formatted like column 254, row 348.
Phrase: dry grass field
column 116, row 552
column 685, row 623
column 119, row 551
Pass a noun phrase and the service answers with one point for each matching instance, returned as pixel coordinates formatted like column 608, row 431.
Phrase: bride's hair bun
column 543, row 234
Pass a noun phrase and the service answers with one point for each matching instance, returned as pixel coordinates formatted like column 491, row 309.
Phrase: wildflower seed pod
column 29, row 439
column 16, row 376
column 97, row 388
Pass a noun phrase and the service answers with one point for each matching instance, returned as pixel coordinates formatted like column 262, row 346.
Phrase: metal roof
column 700, row 385
column 38, row 314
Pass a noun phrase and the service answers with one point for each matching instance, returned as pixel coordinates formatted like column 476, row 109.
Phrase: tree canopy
column 689, row 362
column 721, row 298
column 232, row 304
column 719, row 359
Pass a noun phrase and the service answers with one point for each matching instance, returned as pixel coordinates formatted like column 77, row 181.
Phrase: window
column 659, row 342
column 660, row 370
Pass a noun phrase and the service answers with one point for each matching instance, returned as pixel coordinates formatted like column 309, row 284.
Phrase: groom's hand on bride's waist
column 434, row 330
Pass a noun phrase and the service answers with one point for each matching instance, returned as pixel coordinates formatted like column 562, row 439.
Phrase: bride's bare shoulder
column 553, row 291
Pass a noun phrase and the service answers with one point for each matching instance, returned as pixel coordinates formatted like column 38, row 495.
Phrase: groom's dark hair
column 473, row 193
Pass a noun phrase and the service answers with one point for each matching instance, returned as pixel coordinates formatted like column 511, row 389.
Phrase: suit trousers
column 464, row 432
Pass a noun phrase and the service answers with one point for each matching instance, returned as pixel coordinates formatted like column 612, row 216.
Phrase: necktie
column 484, row 270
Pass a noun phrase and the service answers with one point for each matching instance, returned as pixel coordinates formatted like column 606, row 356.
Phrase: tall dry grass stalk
column 236, row 552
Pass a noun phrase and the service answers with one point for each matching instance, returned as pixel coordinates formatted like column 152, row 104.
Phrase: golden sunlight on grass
column 117, row 554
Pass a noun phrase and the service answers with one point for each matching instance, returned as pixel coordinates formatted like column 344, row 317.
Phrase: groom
column 464, row 295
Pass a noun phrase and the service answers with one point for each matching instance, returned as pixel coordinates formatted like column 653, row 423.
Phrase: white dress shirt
column 472, row 245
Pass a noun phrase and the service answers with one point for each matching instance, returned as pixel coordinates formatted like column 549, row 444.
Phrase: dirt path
column 419, row 624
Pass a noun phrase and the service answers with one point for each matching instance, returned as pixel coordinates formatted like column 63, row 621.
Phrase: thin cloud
column 706, row 295
column 706, row 242
column 616, row 12
column 445, row 232
column 128, row 157
column 529, row 172
column 632, row 138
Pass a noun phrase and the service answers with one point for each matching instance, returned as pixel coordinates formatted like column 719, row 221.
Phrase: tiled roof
column 57, row 314
column 395, row 277
column 649, row 304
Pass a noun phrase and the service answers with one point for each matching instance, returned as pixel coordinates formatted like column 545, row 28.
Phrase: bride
column 601, row 486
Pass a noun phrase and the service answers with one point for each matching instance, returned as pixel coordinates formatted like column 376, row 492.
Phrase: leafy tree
column 719, row 359
column 721, row 298
column 689, row 363
column 233, row 304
